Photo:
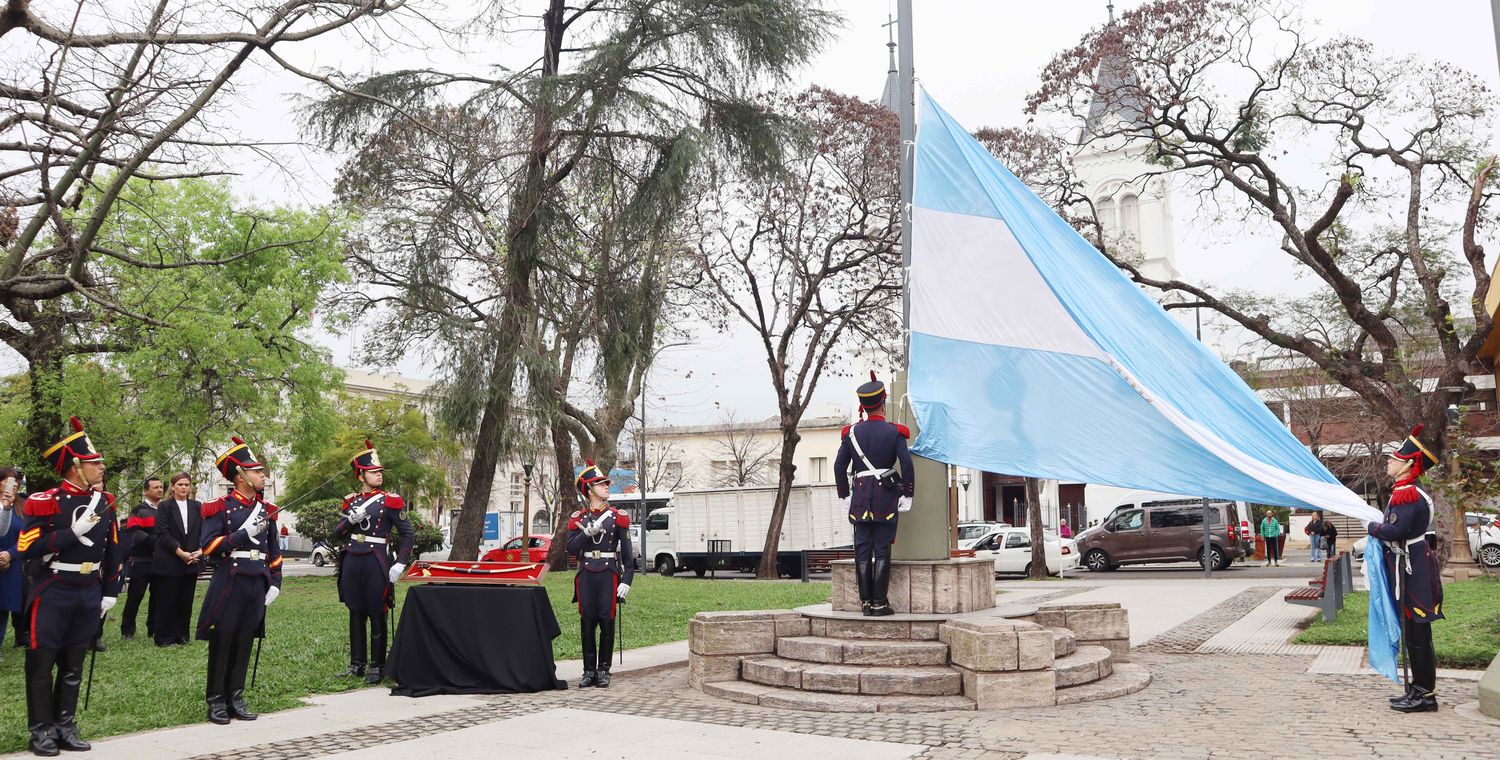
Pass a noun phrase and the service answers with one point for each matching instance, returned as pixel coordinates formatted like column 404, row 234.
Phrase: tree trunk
column 1036, row 569
column 767, row 569
column 45, row 367
column 562, row 453
column 487, row 449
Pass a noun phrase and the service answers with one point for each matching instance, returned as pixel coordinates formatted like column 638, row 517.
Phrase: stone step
column 1126, row 679
column 792, row 699
column 1086, row 664
column 1063, row 642
column 916, row 680
column 862, row 651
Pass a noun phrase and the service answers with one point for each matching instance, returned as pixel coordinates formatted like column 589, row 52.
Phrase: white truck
column 726, row 528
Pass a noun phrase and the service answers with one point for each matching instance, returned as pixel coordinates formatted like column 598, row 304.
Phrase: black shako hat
column 366, row 461
column 871, row 394
column 76, row 447
column 1412, row 450
column 238, row 457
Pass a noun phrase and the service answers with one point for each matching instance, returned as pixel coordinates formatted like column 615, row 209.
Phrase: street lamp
column 963, row 479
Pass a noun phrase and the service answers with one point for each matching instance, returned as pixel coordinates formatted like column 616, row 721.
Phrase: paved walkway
column 1222, row 684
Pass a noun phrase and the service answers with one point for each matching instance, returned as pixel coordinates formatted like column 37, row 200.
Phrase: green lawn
column 1468, row 637
column 138, row 686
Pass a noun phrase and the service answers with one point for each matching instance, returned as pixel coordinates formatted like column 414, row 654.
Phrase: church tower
column 1132, row 197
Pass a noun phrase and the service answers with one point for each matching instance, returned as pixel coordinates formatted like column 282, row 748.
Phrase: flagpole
column 907, row 111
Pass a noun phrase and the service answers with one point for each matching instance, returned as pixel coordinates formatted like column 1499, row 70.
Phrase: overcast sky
column 979, row 58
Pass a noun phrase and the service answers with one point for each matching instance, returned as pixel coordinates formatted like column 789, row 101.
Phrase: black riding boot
column 218, row 669
column 880, row 583
column 356, row 645
column 39, row 705
column 606, row 652
column 377, row 648
column 590, row 653
column 1423, row 670
column 69, row 679
column 234, row 682
column 864, row 578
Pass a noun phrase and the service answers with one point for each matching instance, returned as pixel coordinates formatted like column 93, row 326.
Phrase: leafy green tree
column 411, row 451
column 210, row 351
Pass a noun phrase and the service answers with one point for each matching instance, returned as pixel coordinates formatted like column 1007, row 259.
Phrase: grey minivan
column 1163, row 531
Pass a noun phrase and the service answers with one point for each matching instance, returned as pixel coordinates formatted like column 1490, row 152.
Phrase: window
column 658, row 521
column 966, row 532
column 1130, row 217
column 514, row 543
column 1017, row 540
column 1106, row 211
column 541, row 522
column 1128, row 520
column 536, row 542
column 517, row 487
column 817, row 469
column 1176, row 518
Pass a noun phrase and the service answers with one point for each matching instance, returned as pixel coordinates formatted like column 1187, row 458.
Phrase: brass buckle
column 86, row 567
column 255, row 554
column 358, row 537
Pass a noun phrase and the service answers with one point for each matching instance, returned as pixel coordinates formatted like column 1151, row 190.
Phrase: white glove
column 271, row 594
column 622, row 590
column 257, row 526
column 396, row 571
column 356, row 516
column 844, row 503
column 106, row 603
column 594, row 530
column 903, row 504
column 83, row 525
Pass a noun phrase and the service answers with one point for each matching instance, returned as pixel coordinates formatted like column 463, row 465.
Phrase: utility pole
column 1208, row 562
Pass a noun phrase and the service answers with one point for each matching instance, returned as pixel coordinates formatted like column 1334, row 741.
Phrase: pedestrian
column 285, row 537
column 71, row 532
column 1063, row 529
column 1314, row 531
column 874, row 446
column 1330, row 539
column 1270, row 532
column 1412, row 570
column 176, row 561
column 10, row 556
column 367, row 576
column 239, row 530
column 599, row 536
column 141, row 528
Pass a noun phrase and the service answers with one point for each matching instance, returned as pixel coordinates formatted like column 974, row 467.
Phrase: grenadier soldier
column 367, row 576
column 239, row 532
column 71, row 543
column 873, row 447
column 599, row 536
column 1412, row 569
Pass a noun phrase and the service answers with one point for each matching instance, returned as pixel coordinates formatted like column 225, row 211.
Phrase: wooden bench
column 821, row 560
column 1325, row 593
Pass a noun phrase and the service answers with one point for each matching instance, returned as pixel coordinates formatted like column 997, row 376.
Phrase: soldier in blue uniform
column 71, row 544
column 599, row 535
column 873, row 447
column 1412, row 570
column 239, row 532
column 366, row 575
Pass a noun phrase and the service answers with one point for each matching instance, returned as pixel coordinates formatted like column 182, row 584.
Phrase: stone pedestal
column 944, row 586
column 1104, row 624
column 1489, row 690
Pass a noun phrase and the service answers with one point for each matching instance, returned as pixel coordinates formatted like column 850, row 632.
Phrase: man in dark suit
column 174, row 565
column 140, row 545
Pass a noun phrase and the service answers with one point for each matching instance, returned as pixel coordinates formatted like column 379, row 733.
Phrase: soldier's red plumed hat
column 871, row 394
column 76, row 446
column 367, row 460
column 238, row 457
column 588, row 476
column 1414, row 451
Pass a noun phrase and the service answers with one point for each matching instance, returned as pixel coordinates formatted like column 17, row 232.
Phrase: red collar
column 241, row 498
column 73, row 488
column 876, row 417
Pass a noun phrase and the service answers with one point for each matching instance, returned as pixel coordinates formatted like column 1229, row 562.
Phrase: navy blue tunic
column 236, row 599
column 884, row 444
column 63, row 605
column 1421, row 587
column 364, row 571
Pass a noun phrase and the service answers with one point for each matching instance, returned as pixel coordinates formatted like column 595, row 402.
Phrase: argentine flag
column 1032, row 355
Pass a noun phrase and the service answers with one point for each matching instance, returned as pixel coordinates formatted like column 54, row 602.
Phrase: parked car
column 1165, row 530
column 1484, row 542
column 970, row 532
column 322, row 554
column 510, row 551
column 1010, row 549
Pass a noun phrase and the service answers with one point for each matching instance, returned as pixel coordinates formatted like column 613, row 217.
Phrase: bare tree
column 1234, row 99
column 95, row 97
column 742, row 457
column 807, row 258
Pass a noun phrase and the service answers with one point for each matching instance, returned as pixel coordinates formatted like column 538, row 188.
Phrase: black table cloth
column 470, row 639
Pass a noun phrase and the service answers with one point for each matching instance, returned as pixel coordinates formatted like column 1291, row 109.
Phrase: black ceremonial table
column 474, row 639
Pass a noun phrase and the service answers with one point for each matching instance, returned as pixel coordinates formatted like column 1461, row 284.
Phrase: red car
column 510, row 551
